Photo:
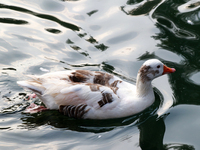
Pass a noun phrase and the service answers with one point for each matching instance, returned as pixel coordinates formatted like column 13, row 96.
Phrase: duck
column 85, row 94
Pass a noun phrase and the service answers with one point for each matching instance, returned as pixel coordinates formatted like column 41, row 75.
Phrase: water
column 111, row 36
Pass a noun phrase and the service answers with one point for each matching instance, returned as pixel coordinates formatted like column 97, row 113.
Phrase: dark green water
column 114, row 36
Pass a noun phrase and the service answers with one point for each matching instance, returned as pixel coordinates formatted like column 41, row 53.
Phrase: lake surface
column 114, row 36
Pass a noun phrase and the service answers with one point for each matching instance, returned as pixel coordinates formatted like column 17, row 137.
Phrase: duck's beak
column 167, row 70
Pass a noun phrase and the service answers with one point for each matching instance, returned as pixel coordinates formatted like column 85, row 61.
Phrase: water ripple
column 43, row 16
column 189, row 6
column 139, row 8
column 171, row 26
column 13, row 21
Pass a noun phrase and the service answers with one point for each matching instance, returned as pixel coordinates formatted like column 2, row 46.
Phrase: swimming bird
column 94, row 94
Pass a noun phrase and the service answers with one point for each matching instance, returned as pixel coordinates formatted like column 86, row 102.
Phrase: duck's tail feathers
column 33, row 86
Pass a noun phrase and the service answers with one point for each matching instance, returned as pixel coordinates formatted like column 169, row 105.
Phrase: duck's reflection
column 152, row 133
column 151, row 130
column 57, row 120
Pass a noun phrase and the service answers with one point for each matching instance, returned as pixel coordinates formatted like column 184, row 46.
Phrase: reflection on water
column 152, row 138
column 115, row 37
column 139, row 7
column 43, row 16
column 12, row 21
column 190, row 12
column 189, row 6
column 176, row 31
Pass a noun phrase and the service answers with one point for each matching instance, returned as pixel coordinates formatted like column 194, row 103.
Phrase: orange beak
column 167, row 70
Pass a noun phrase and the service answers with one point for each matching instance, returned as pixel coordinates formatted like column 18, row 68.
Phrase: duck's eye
column 158, row 66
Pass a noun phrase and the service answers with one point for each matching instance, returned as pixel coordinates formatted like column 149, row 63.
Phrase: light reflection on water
column 115, row 37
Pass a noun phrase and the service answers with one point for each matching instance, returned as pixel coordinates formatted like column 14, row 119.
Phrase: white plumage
column 94, row 94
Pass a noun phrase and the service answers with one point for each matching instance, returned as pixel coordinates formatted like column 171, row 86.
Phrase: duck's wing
column 77, row 100
column 97, row 100
column 93, row 95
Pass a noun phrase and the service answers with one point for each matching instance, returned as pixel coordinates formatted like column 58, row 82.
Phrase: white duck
column 94, row 94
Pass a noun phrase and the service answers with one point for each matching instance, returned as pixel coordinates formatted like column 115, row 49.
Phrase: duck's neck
column 143, row 87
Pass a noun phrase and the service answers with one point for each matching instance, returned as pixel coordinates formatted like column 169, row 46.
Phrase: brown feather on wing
column 74, row 111
column 80, row 76
column 102, row 78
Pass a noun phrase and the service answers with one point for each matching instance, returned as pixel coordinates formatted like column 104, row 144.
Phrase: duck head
column 152, row 69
